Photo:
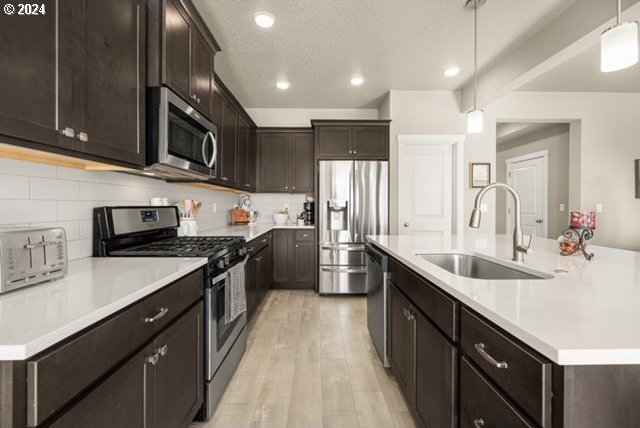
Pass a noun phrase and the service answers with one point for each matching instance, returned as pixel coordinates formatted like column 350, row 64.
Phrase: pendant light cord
column 475, row 54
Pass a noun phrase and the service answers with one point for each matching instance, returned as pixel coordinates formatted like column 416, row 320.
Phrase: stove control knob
column 226, row 260
column 221, row 264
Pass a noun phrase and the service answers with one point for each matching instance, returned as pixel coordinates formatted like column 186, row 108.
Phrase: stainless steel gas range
column 153, row 232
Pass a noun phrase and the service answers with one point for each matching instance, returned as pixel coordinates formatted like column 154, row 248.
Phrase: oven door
column 186, row 140
column 220, row 335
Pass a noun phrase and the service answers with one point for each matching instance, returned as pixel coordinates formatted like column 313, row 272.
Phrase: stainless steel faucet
column 519, row 249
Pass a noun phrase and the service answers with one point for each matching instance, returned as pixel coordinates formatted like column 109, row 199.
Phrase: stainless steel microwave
column 181, row 143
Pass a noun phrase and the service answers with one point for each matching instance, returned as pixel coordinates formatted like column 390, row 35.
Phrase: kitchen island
column 554, row 352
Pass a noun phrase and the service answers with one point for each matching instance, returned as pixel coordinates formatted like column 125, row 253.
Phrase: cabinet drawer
column 441, row 309
column 481, row 406
column 56, row 376
column 523, row 375
column 305, row 235
column 257, row 244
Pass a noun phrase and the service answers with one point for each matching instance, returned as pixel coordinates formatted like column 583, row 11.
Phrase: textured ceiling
column 582, row 74
column 317, row 45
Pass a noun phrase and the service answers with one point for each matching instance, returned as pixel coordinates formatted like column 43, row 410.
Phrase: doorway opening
column 535, row 159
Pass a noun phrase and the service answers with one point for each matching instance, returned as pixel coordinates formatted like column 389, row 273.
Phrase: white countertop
column 248, row 232
column 37, row 317
column 590, row 315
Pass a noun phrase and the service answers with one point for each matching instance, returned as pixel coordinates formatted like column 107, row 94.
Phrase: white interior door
column 529, row 177
column 425, row 185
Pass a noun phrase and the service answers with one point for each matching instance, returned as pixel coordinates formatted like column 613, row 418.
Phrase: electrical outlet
column 286, row 207
column 598, row 208
column 215, row 208
column 561, row 208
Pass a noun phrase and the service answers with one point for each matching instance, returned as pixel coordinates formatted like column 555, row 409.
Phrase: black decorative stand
column 582, row 235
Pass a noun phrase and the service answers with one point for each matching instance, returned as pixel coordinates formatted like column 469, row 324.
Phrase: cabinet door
column 201, row 74
column 371, row 142
column 436, row 375
column 179, row 376
column 28, row 76
column 242, row 154
column 401, row 342
column 229, row 144
column 273, row 158
column 301, row 169
column 263, row 272
column 109, row 107
column 303, row 264
column 252, row 148
column 282, row 240
column 251, row 284
column 120, row 401
column 177, row 50
column 334, row 142
column 268, row 273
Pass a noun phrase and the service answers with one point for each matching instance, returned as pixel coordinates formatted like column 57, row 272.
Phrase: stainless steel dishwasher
column 377, row 291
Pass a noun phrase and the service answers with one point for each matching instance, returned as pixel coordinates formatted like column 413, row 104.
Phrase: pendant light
column 619, row 45
column 475, row 118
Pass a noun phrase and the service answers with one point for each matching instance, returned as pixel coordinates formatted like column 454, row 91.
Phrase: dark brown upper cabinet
column 246, row 156
column 28, row 77
column 85, row 95
column 105, row 59
column 185, row 53
column 227, row 145
column 285, row 159
column 344, row 139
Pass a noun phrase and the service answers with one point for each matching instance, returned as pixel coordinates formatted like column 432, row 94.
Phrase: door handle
column 343, row 270
column 478, row 423
column 159, row 314
column 338, row 248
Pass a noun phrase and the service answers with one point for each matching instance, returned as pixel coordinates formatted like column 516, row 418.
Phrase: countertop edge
column 42, row 343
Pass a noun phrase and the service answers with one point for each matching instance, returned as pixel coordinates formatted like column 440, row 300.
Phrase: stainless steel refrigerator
column 353, row 202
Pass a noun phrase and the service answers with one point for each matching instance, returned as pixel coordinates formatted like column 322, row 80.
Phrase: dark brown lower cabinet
column 482, row 406
column 161, row 386
column 294, row 258
column 258, row 272
column 118, row 402
column 424, row 363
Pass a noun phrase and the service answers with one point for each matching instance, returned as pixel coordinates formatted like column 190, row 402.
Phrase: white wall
column 298, row 117
column 38, row 195
column 555, row 140
column 608, row 127
column 436, row 113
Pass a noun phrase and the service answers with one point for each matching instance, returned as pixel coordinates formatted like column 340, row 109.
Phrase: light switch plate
column 215, row 208
column 598, row 208
column 286, row 207
column 561, row 208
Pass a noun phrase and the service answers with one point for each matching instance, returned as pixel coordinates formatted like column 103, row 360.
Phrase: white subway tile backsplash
column 16, row 167
column 14, row 187
column 52, row 188
column 26, row 211
column 35, row 195
column 97, row 191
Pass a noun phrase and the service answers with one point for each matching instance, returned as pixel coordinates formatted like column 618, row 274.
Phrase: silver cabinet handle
column 484, row 354
column 297, row 245
column 153, row 359
column 293, row 188
column 225, row 179
column 354, row 152
column 68, row 132
column 478, row 423
column 159, row 314
column 163, row 350
column 286, row 187
column 264, row 240
column 83, row 136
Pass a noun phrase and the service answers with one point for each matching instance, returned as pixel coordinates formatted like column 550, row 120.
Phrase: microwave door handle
column 204, row 148
column 214, row 147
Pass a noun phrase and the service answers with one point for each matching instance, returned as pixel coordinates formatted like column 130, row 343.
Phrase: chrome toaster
column 32, row 256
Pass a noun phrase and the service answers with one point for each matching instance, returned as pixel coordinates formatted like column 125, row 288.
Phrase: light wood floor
column 310, row 363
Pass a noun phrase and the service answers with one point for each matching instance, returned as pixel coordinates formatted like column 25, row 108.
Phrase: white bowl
column 280, row 219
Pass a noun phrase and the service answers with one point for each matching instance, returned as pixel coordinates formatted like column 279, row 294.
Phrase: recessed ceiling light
column 452, row 71
column 357, row 80
column 264, row 19
column 282, row 84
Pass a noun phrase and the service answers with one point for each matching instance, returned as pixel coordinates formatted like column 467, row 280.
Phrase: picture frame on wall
column 637, row 178
column 479, row 174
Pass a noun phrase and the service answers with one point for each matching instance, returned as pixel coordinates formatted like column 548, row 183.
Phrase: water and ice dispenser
column 337, row 214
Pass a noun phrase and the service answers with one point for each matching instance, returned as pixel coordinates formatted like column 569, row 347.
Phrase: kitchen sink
column 481, row 267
